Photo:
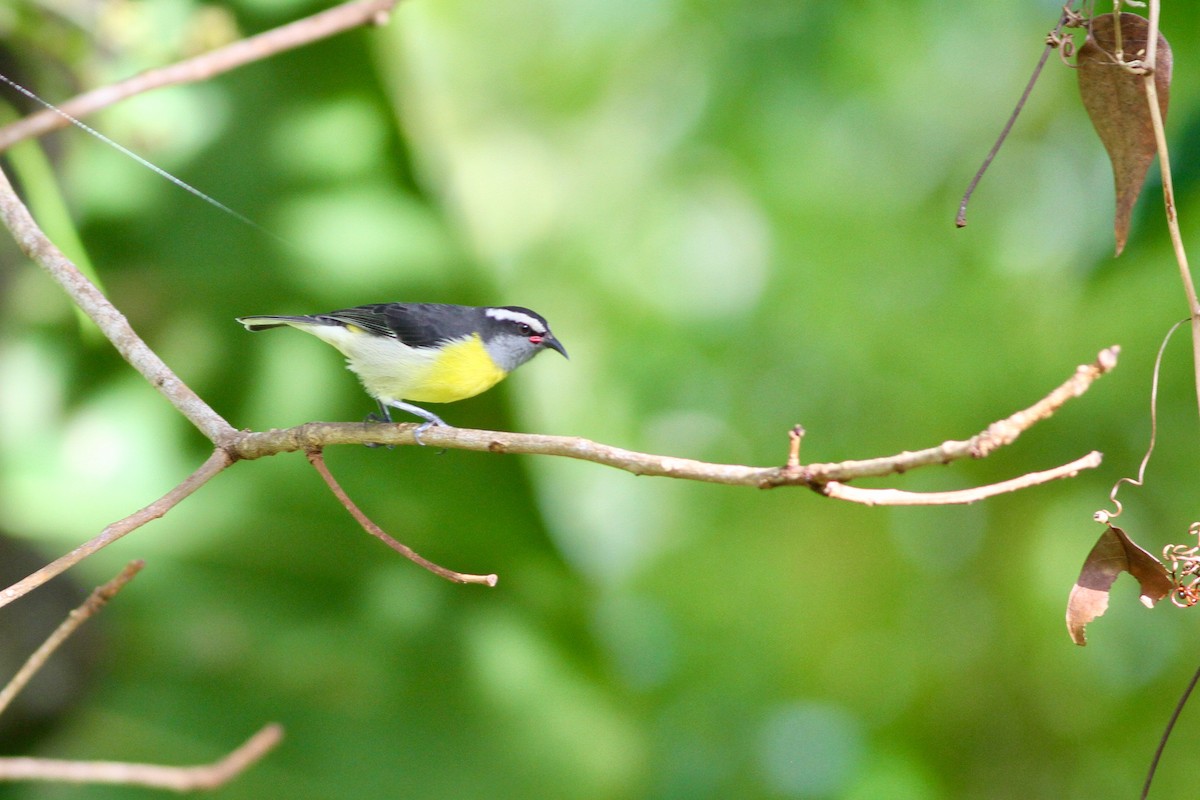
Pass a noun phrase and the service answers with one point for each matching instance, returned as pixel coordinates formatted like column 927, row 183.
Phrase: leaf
column 1113, row 554
column 1115, row 99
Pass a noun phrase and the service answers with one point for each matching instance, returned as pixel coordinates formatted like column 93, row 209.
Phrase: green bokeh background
column 738, row 217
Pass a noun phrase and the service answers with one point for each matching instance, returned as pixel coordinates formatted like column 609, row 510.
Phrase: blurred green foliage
column 737, row 216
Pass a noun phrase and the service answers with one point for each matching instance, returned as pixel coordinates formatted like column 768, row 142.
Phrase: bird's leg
column 383, row 416
column 430, row 418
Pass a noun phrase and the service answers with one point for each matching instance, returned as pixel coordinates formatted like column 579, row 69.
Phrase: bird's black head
column 513, row 335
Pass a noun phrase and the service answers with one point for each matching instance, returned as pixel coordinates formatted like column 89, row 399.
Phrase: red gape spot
column 535, row 339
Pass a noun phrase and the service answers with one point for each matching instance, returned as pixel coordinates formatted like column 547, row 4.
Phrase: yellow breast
column 462, row 369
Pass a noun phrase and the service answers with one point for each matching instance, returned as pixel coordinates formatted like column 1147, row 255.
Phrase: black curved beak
column 549, row 341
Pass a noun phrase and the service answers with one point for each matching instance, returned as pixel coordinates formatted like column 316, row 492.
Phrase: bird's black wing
column 369, row 318
column 414, row 324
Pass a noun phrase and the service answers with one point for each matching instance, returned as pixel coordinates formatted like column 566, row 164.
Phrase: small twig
column 795, row 437
column 896, row 497
column 961, row 219
column 95, row 601
column 318, row 461
column 218, row 461
column 202, row 67
column 1006, row 431
column 154, row 776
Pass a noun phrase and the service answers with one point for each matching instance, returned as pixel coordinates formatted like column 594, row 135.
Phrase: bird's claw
column 430, row 421
column 424, row 426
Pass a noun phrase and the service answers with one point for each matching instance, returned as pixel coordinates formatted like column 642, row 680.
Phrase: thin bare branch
column 112, row 323
column 218, row 461
column 318, row 461
column 154, row 776
column 1006, row 431
column 315, row 435
column 896, row 497
column 95, row 601
column 244, row 51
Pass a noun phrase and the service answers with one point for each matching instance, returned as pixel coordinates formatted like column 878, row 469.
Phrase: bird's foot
column 374, row 418
column 430, row 418
column 426, row 425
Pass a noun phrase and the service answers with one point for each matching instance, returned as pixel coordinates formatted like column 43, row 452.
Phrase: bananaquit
column 427, row 352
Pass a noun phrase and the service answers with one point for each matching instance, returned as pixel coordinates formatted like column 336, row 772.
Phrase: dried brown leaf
column 1115, row 99
column 1113, row 554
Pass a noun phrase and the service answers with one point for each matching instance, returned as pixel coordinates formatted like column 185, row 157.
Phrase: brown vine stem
column 154, row 776
column 218, row 461
column 960, row 220
column 1164, row 160
column 202, row 67
column 317, row 459
column 89, row 608
column 1189, row 288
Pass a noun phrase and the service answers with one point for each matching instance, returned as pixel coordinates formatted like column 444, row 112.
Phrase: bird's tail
column 271, row 321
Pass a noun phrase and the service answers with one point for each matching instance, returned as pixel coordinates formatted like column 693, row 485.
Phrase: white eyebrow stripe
column 508, row 315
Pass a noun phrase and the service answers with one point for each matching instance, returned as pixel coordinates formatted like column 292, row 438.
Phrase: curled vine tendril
column 1103, row 516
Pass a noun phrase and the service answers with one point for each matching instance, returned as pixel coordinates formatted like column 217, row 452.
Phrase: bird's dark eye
column 524, row 329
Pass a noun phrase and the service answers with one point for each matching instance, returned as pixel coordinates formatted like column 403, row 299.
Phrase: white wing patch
column 508, row 315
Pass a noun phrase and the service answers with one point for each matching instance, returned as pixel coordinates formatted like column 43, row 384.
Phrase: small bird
column 425, row 352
